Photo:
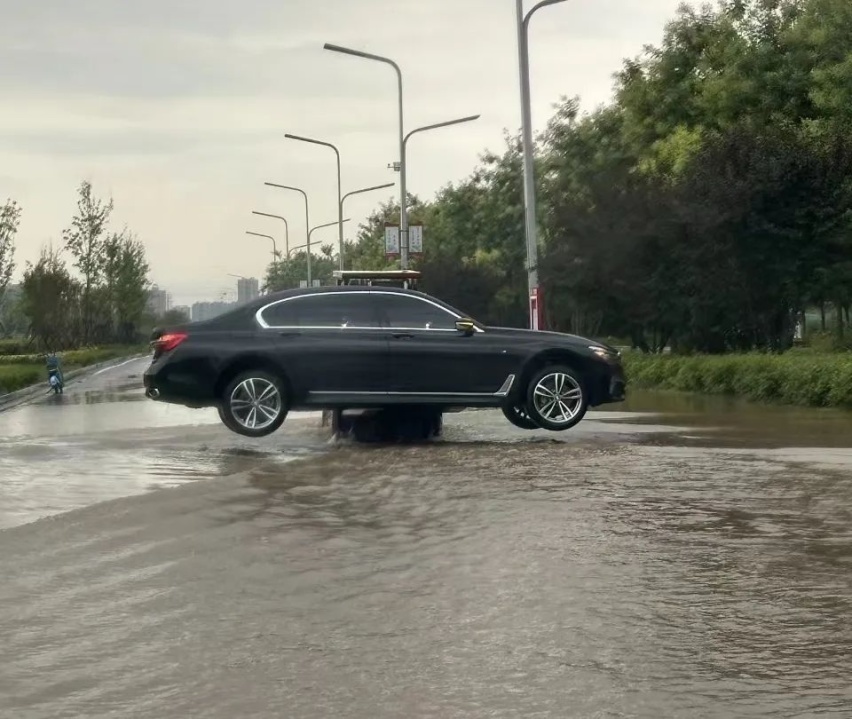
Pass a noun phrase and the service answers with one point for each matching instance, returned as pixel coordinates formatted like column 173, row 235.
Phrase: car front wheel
column 556, row 398
column 254, row 404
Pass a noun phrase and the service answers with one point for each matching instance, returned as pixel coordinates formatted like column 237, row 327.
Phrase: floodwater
column 672, row 558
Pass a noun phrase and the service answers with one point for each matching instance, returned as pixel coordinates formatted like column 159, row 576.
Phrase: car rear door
column 330, row 342
column 428, row 355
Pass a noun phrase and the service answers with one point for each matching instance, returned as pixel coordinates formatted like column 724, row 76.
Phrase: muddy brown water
column 693, row 563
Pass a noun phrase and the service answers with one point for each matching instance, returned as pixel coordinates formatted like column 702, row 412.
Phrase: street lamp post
column 358, row 192
column 403, row 215
column 403, row 140
column 435, row 126
column 286, row 226
column 327, row 224
column 339, row 190
column 274, row 247
column 530, row 218
column 307, row 218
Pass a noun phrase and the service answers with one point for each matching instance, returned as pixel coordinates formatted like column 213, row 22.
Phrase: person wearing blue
column 54, row 369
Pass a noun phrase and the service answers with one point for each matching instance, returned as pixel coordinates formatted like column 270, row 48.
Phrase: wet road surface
column 694, row 563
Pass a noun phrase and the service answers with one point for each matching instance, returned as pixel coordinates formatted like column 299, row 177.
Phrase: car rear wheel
column 519, row 416
column 254, row 404
column 557, row 398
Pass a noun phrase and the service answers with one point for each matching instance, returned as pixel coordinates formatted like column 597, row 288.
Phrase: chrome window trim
column 258, row 316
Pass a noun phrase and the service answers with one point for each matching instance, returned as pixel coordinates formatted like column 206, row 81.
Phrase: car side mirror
column 465, row 326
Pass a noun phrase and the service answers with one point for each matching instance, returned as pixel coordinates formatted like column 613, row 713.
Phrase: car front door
column 428, row 355
column 330, row 342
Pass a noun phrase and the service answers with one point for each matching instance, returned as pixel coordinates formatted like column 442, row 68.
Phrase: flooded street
column 676, row 557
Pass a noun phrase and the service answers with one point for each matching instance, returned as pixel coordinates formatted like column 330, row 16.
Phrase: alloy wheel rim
column 255, row 403
column 558, row 397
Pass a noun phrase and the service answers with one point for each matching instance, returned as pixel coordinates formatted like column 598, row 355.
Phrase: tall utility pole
column 403, row 212
column 307, row 218
column 286, row 226
column 274, row 246
column 403, row 141
column 530, row 217
column 339, row 190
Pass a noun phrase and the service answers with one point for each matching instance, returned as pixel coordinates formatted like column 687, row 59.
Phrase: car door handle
column 402, row 336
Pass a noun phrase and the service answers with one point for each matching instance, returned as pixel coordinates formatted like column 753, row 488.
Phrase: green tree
column 288, row 274
column 129, row 287
column 10, row 217
column 85, row 240
column 51, row 301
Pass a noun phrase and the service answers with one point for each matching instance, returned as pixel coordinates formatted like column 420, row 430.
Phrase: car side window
column 333, row 310
column 406, row 312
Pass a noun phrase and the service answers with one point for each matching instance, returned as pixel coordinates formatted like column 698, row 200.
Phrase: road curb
column 27, row 394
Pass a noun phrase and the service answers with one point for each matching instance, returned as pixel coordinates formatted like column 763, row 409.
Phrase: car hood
column 560, row 338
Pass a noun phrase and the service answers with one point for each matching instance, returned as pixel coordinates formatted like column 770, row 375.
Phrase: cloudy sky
column 177, row 109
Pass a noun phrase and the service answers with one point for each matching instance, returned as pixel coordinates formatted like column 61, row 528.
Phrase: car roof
column 307, row 291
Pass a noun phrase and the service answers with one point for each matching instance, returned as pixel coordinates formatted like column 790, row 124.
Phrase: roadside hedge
column 798, row 378
column 15, row 377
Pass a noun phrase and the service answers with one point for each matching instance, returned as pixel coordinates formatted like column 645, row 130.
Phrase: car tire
column 519, row 416
column 254, row 403
column 557, row 398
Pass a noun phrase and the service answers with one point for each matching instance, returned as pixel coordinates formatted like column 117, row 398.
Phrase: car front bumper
column 610, row 387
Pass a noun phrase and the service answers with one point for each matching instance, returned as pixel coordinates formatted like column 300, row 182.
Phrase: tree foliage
column 10, row 217
column 104, row 300
column 705, row 208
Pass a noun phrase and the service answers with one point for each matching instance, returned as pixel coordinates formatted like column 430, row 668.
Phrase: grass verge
column 796, row 378
column 19, row 371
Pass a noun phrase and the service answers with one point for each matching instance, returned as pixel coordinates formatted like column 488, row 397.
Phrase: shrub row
column 799, row 378
column 75, row 358
column 15, row 347
column 15, row 377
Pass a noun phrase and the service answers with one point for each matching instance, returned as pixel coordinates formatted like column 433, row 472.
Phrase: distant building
column 248, row 289
column 159, row 301
column 208, row 310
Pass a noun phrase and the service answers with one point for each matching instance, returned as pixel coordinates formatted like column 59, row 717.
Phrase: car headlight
column 605, row 354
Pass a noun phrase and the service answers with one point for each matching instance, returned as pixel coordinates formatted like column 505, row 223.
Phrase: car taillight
column 168, row 341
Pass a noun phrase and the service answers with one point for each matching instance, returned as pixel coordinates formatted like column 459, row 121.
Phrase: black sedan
column 351, row 347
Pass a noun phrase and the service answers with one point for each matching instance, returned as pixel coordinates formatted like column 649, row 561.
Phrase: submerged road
column 674, row 558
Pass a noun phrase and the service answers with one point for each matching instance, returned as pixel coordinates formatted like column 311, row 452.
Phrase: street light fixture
column 307, row 218
column 403, row 210
column 403, row 192
column 277, row 217
column 311, row 232
column 339, row 190
column 359, row 192
column 447, row 123
column 268, row 237
column 530, row 218
column 319, row 227
column 403, row 219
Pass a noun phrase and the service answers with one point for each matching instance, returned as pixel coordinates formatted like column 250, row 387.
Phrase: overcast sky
column 177, row 109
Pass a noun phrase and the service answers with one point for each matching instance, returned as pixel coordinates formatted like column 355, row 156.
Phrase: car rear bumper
column 165, row 384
